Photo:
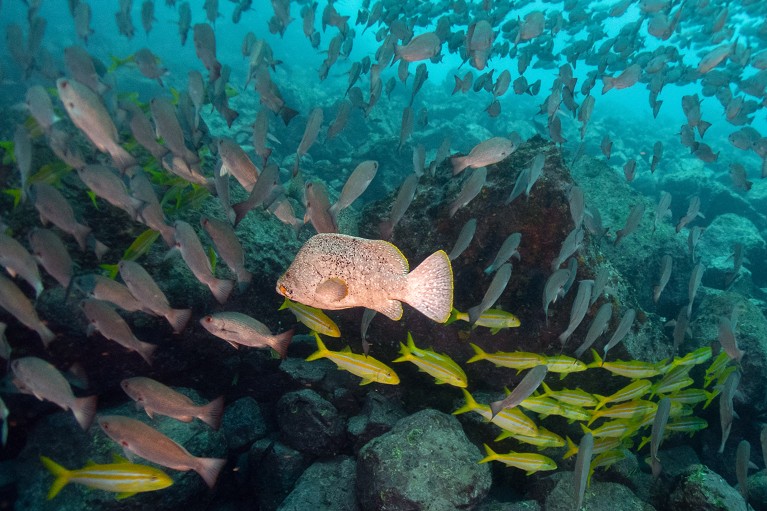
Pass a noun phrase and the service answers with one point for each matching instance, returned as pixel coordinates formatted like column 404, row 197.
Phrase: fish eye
column 283, row 289
column 208, row 319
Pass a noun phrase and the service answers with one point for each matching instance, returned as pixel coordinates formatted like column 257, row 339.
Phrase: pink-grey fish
column 522, row 391
column 471, row 188
column 507, row 251
column 52, row 254
column 242, row 330
column 355, row 185
column 228, row 247
column 579, row 309
column 632, row 222
column 190, row 247
column 598, row 326
column 623, row 328
column 666, row 264
column 104, row 319
column 485, row 153
column 493, row 293
column 464, row 239
column 405, row 196
column 17, row 261
column 143, row 287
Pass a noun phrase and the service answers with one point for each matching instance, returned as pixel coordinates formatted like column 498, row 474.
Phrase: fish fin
column 211, row 413
column 125, row 495
column 459, row 164
column 479, row 354
column 366, row 381
column 148, row 411
column 81, row 233
column 572, row 449
column 470, row 405
column 61, row 474
column 221, row 289
column 118, row 459
column 494, row 331
column 405, row 354
column 178, row 318
column 333, row 289
column 602, row 401
column 391, row 309
column 84, row 409
column 285, row 304
column 503, row 435
column 99, row 249
column 45, row 334
column 280, row 343
column 321, row 352
column 146, row 351
column 429, row 287
column 208, row 468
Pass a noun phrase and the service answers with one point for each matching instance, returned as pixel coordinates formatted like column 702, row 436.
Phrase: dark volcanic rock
column 599, row 496
column 310, row 424
column 325, row 486
column 243, row 423
column 700, row 489
column 378, row 416
column 274, row 468
column 425, row 462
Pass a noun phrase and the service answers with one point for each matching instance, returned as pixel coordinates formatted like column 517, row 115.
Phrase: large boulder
column 310, row 423
column 325, row 486
column 425, row 462
column 700, row 489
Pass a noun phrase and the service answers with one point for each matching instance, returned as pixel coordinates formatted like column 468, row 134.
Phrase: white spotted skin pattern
column 367, row 267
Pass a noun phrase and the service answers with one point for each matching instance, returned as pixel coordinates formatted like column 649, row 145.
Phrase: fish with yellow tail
column 443, row 368
column 336, row 271
column 312, row 318
column 494, row 319
column 367, row 368
column 529, row 462
column 122, row 477
column 634, row 369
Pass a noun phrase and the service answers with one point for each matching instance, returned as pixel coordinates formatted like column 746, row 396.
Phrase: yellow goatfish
column 529, row 462
column 494, row 319
column 518, row 360
column 124, row 478
column 443, row 368
column 366, row 367
column 312, row 318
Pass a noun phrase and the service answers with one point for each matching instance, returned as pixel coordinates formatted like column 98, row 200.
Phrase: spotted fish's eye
column 283, row 290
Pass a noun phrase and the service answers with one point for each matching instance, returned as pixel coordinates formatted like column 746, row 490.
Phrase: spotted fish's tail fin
column 429, row 287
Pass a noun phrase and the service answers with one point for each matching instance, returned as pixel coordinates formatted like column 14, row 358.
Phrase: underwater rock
column 523, row 505
column 599, row 496
column 757, row 490
column 324, row 486
column 750, row 333
column 310, row 424
column 425, row 462
column 716, row 247
column 61, row 439
column 379, row 414
column 700, row 489
column 273, row 469
column 243, row 423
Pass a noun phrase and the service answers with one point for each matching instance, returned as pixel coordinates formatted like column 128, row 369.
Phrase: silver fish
column 571, row 245
column 726, row 410
column 493, row 293
column 623, row 328
column 5, row 348
column 110, row 187
column 520, row 184
column 168, row 128
column 40, row 106
column 507, row 251
column 104, row 319
column 582, row 468
column 666, row 264
column 464, row 238
column 600, row 283
column 728, row 340
column 142, row 131
column 658, row 430
column 267, row 183
column 632, row 222
column 19, row 306
column 692, row 287
column 35, row 376
column 693, row 211
column 598, row 326
column 283, row 210
column 51, row 252
column 663, row 209
column 313, row 125
column 471, row 188
column 553, row 289
column 88, row 113
column 535, row 172
column 228, row 247
column 355, row 185
column 54, row 208
column 17, row 261
column 406, row 127
column 144, row 441
column 405, row 196
column 151, row 212
column 188, row 244
column 317, row 207
column 107, row 290
column 150, row 296
column 241, row 330
column 522, row 391
column 236, row 162
column 681, row 325
column 579, row 309
column 196, row 90
column 22, row 153
column 577, row 206
column 485, row 153
column 260, row 133
column 342, row 117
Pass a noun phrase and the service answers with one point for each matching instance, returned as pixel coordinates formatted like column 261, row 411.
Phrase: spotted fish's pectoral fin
column 391, row 309
column 333, row 289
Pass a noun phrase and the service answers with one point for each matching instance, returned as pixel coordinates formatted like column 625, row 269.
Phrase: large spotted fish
column 336, row 271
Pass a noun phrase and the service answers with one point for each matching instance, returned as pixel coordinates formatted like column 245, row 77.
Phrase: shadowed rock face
column 425, row 462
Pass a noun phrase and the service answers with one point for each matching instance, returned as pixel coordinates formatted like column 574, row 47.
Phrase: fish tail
column 178, row 318
column 321, row 352
column 281, row 342
column 45, row 334
column 602, row 401
column 598, row 362
column 286, row 114
column 607, row 82
column 208, row 468
column 221, row 289
column 61, row 474
column 474, row 313
column 459, row 164
column 491, row 455
column 211, row 413
column 99, row 249
column 146, row 351
column 240, row 210
column 710, row 396
column 546, row 389
column 84, row 409
column 453, row 316
column 572, row 449
column 429, row 287
column 122, row 159
column 470, row 405
column 386, row 228
column 405, row 354
column 81, row 235
column 244, row 277
column 479, row 354
column 458, row 85
column 285, row 304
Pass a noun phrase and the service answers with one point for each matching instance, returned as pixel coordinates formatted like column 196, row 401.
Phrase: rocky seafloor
column 303, row 435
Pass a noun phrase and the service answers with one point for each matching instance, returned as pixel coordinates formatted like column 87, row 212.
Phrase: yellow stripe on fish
column 366, row 367
column 575, row 397
column 564, row 365
column 633, row 369
column 494, row 319
column 543, row 439
column 529, row 462
column 518, row 360
column 124, row 478
column 632, row 410
column 441, row 367
column 512, row 420
column 312, row 318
